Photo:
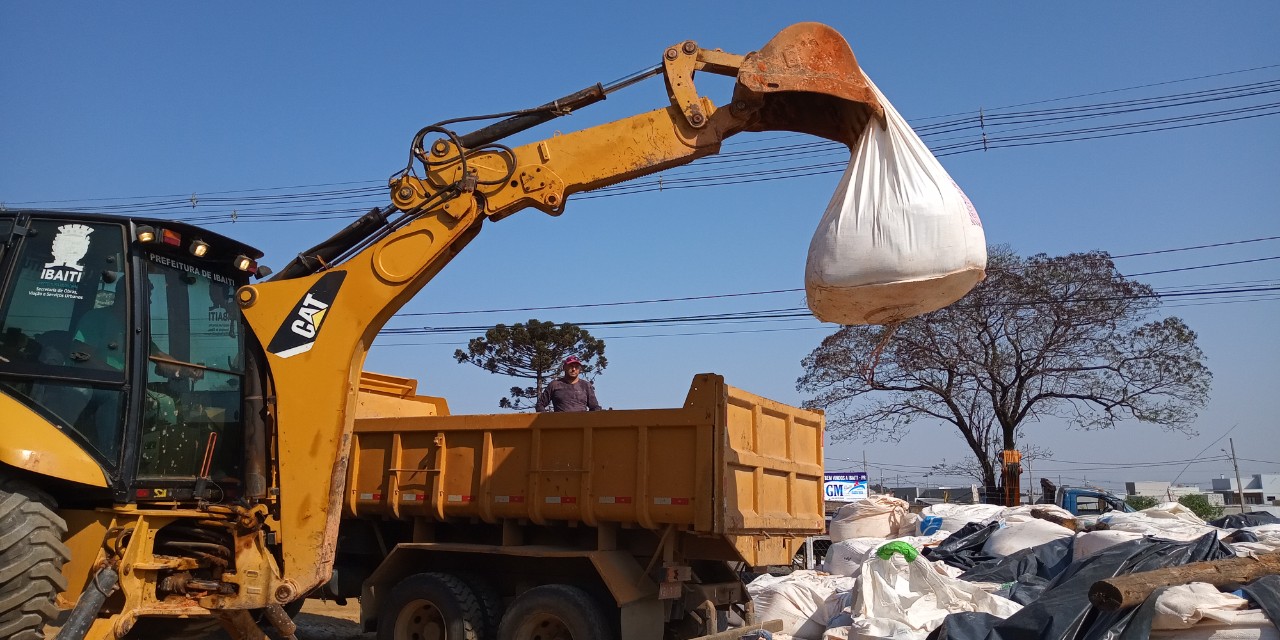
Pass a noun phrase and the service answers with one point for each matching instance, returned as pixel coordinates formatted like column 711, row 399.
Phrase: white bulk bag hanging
column 899, row 237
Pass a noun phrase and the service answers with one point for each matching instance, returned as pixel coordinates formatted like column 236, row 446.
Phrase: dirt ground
column 318, row 621
column 328, row 621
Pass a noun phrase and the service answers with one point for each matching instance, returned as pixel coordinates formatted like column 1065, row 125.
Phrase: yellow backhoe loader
column 178, row 422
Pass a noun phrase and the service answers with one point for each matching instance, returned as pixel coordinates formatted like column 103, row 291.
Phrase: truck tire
column 430, row 605
column 555, row 612
column 31, row 557
column 491, row 605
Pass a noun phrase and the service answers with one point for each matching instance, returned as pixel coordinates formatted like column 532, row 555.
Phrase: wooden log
column 1133, row 589
column 1049, row 516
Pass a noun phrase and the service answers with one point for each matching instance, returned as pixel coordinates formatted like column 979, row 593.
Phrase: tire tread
column 32, row 553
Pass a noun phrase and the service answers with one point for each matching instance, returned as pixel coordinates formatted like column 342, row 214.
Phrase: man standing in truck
column 569, row 393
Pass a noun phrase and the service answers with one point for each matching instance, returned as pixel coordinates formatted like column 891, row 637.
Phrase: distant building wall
column 1162, row 491
column 1259, row 488
column 1146, row 488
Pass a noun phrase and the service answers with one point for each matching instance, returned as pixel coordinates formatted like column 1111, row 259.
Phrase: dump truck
column 619, row 521
column 180, row 421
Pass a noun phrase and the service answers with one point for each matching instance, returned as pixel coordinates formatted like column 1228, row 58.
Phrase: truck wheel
column 430, row 605
column 31, row 557
column 491, row 605
column 555, row 612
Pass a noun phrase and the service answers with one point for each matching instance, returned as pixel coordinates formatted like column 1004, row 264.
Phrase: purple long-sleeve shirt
column 564, row 396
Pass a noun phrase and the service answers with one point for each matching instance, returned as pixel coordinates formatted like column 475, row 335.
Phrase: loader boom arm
column 317, row 320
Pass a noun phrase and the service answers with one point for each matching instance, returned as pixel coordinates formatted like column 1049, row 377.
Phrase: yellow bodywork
column 728, row 464
column 740, row 485
column 58, row 455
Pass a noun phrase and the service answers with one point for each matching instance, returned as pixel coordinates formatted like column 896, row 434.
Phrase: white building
column 1260, row 488
column 1162, row 491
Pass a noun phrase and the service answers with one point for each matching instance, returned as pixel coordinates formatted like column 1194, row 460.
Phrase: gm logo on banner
column 845, row 487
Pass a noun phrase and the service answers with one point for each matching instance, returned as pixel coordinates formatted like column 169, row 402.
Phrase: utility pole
column 1239, row 485
column 1031, row 485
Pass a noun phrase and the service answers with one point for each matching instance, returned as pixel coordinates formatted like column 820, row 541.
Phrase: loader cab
column 124, row 335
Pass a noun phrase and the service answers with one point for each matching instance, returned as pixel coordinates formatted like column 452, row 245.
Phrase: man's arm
column 592, row 405
column 544, row 399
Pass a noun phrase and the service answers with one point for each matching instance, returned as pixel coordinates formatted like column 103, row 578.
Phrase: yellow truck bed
column 728, row 463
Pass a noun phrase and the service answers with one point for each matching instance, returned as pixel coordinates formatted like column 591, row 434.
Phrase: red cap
column 572, row 360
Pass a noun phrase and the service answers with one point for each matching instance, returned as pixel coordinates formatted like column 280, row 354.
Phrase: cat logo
column 300, row 329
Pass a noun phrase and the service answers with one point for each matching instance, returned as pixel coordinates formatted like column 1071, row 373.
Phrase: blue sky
column 141, row 101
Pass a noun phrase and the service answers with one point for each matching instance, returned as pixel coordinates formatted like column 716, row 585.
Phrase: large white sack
column 1091, row 542
column 797, row 600
column 878, row 516
column 1182, row 606
column 907, row 601
column 908, row 525
column 883, row 629
column 1172, row 511
column 1023, row 513
column 1244, row 625
column 836, row 610
column 956, row 516
column 1268, row 540
column 1023, row 535
column 1169, row 521
column 899, row 237
column 845, row 558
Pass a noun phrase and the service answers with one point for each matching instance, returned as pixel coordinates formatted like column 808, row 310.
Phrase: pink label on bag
column 973, row 213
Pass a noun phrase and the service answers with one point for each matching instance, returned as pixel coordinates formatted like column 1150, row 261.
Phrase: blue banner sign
column 845, row 487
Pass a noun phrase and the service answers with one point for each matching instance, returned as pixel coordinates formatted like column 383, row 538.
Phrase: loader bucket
column 808, row 81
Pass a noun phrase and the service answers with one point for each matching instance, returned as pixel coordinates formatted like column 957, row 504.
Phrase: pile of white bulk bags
column 797, row 600
column 956, row 516
column 1168, row 520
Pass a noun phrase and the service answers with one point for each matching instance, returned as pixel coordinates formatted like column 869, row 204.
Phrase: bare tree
column 1065, row 336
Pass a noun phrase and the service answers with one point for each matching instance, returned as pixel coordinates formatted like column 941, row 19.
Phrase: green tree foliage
column 1141, row 502
column 1199, row 504
column 534, row 351
column 1064, row 337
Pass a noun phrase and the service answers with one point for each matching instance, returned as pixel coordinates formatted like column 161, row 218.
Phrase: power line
column 801, row 290
column 300, row 206
column 604, row 304
column 1203, row 266
column 1200, row 246
column 1107, row 91
column 776, row 315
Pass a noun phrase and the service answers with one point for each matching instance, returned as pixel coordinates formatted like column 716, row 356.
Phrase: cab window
column 63, row 328
column 195, row 371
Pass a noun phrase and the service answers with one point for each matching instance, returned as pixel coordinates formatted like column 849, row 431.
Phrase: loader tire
column 31, row 557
